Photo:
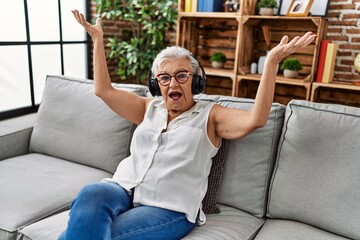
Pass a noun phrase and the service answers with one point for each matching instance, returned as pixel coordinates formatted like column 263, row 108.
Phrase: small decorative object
column 266, row 7
column 357, row 63
column 231, row 6
column 261, row 63
column 291, row 66
column 218, row 60
column 253, row 68
column 299, row 8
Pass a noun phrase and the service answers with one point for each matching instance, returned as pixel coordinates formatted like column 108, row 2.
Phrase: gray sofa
column 296, row 178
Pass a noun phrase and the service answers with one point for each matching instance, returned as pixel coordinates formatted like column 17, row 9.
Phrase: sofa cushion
column 214, row 180
column 47, row 229
column 285, row 230
column 316, row 178
column 15, row 135
column 249, row 160
column 76, row 125
column 230, row 224
column 34, row 186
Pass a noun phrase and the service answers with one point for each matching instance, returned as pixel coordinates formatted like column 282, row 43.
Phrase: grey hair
column 174, row 52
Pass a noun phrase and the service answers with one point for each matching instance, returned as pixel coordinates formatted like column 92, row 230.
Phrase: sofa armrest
column 15, row 135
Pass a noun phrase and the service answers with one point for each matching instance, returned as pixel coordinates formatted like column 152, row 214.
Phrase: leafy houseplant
column 267, row 4
column 266, row 7
column 149, row 22
column 291, row 66
column 218, row 60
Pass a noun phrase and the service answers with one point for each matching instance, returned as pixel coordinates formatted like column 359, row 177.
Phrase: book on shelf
column 188, row 6
column 321, row 60
column 329, row 66
column 191, row 5
column 209, row 6
column 194, row 5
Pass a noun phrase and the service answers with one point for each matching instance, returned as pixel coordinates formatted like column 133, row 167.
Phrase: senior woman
column 156, row 192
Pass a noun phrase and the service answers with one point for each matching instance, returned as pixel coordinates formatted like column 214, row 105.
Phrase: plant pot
column 290, row 73
column 266, row 11
column 217, row 64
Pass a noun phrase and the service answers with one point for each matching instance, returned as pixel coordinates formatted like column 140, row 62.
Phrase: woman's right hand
column 95, row 31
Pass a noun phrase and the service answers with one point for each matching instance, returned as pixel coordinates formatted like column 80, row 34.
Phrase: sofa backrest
column 74, row 124
column 317, row 173
column 249, row 160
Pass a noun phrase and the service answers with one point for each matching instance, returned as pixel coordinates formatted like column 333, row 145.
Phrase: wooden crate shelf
column 285, row 88
column 204, row 36
column 252, row 37
column 219, row 85
column 240, row 36
column 336, row 92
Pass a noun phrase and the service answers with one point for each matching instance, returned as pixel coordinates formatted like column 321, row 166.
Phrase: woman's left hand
column 95, row 31
column 285, row 48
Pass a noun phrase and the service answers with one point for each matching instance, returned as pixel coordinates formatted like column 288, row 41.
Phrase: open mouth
column 175, row 95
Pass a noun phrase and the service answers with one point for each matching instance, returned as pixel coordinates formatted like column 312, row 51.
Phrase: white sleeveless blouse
column 169, row 169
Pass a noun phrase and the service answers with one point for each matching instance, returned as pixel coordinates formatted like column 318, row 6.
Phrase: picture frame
column 318, row 8
column 299, row 8
column 277, row 10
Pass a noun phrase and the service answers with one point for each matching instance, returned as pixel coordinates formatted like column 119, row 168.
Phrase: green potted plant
column 266, row 7
column 218, row 60
column 291, row 66
column 148, row 23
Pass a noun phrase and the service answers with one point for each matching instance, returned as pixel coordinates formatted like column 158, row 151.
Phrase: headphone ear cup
column 198, row 84
column 199, row 81
column 153, row 85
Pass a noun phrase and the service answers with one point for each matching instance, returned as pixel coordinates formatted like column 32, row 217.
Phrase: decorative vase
column 266, row 11
column 261, row 63
column 253, row 68
column 217, row 64
column 357, row 63
column 290, row 73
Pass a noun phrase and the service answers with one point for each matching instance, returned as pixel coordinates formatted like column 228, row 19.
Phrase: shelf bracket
column 307, row 78
column 316, row 21
column 245, row 19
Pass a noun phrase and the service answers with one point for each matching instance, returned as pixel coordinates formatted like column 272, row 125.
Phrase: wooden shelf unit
column 239, row 35
column 252, row 37
column 286, row 89
column 203, row 34
column 336, row 92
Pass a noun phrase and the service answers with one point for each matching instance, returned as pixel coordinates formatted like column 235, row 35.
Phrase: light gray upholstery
column 49, row 228
column 15, row 136
column 291, row 230
column 76, row 140
column 231, row 224
column 76, row 125
column 34, row 186
column 250, row 160
column 305, row 167
column 317, row 174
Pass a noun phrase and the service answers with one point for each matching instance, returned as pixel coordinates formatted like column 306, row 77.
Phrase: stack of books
column 326, row 61
column 203, row 5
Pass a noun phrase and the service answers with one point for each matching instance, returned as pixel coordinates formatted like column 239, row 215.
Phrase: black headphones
column 197, row 86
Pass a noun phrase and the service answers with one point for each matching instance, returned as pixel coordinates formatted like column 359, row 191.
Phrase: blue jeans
column 105, row 211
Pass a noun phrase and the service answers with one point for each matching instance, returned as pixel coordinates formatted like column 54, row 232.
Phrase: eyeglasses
column 181, row 77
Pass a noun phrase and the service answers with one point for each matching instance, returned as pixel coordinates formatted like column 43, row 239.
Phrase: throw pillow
column 214, row 180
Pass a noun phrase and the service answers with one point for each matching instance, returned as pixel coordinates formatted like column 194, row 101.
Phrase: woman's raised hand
column 95, row 31
column 285, row 48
